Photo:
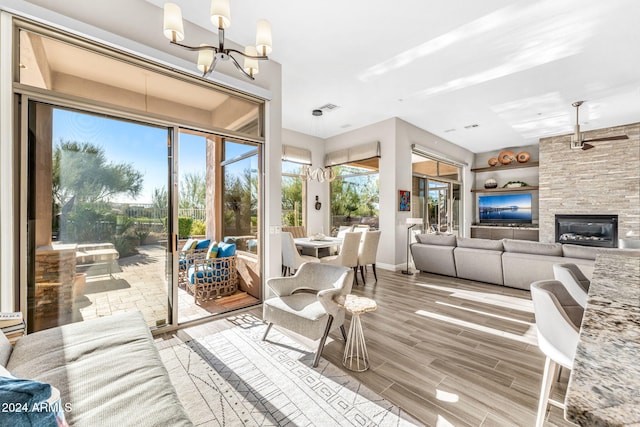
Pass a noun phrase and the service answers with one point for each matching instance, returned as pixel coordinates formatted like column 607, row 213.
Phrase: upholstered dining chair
column 291, row 258
column 348, row 256
column 368, row 252
column 572, row 278
column 558, row 318
column 303, row 303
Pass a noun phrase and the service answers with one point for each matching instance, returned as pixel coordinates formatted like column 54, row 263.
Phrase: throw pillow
column 213, row 250
column 226, row 250
column 189, row 244
column 26, row 403
column 202, row 244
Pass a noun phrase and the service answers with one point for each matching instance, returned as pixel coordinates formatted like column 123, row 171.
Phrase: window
column 354, row 194
column 294, row 196
column 240, row 175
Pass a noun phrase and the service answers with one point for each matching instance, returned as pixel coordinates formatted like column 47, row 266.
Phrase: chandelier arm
column 260, row 57
column 196, row 48
column 239, row 67
column 212, row 66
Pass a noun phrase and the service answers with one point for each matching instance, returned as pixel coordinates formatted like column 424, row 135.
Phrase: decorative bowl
column 491, row 183
column 506, row 157
column 493, row 161
column 523, row 157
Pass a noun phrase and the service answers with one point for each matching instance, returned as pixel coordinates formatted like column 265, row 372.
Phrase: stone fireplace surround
column 604, row 180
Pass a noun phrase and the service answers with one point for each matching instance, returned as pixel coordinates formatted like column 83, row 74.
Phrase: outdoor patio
column 139, row 283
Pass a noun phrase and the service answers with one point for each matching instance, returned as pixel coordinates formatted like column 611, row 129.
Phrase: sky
column 141, row 145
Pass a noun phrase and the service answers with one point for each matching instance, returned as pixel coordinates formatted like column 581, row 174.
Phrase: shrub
column 125, row 244
column 184, row 227
column 199, row 228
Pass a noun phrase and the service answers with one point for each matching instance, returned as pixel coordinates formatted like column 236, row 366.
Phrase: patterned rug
column 233, row 378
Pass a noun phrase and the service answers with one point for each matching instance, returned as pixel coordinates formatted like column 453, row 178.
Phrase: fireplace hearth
column 588, row 230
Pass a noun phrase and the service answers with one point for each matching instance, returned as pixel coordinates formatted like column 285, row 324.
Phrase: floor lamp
column 411, row 222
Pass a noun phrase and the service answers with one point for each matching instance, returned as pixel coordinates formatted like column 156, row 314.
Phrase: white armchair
column 304, row 302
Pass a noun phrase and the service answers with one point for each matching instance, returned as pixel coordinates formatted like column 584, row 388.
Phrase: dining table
column 604, row 386
column 314, row 245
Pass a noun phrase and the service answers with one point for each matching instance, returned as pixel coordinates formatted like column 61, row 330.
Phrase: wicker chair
column 212, row 278
column 187, row 259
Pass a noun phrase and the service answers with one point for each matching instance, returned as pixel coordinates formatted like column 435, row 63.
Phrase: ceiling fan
column 578, row 142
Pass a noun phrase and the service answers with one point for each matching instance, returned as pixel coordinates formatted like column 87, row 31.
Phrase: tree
column 160, row 199
column 83, row 182
column 82, row 172
column 193, row 191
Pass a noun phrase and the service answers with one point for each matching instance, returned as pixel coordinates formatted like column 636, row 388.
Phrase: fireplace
column 588, row 230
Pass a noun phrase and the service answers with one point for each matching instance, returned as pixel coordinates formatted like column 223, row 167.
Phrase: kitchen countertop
column 604, row 387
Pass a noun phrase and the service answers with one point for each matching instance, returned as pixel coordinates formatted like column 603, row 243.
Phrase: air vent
column 449, row 130
column 475, row 125
column 328, row 107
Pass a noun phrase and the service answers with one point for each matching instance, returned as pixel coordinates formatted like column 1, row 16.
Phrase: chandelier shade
column 221, row 13
column 263, row 37
column 173, row 28
column 210, row 55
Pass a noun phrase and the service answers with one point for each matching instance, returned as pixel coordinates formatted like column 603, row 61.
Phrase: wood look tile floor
column 453, row 352
column 450, row 352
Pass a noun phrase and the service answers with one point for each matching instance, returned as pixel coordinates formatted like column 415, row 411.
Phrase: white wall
column 396, row 137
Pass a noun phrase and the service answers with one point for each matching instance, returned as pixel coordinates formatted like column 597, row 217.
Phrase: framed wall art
column 404, row 200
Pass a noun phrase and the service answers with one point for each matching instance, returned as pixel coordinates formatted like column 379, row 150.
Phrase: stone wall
column 602, row 180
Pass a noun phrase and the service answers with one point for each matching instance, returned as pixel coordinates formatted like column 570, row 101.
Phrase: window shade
column 353, row 154
column 296, row 154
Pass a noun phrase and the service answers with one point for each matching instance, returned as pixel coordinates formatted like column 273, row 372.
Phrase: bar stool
column 558, row 318
column 574, row 281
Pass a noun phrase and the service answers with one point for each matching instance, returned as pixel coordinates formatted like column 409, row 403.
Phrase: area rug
column 233, row 378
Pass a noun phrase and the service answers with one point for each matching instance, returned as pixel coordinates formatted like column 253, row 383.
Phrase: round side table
column 356, row 357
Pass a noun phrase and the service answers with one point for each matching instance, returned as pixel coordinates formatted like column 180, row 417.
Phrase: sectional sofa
column 108, row 373
column 508, row 262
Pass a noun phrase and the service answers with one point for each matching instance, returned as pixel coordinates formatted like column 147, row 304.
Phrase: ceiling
column 482, row 74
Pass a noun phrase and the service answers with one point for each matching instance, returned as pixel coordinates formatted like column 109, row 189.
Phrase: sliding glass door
column 218, row 205
column 437, row 187
column 98, row 217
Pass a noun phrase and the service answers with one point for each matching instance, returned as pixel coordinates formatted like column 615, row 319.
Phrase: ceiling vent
column 328, row 107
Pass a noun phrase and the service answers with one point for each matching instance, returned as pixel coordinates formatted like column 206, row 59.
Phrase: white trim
column 7, row 255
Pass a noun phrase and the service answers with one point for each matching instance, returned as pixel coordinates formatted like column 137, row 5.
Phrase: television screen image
column 505, row 208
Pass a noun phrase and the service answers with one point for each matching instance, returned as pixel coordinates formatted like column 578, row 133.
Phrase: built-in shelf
column 504, row 190
column 505, row 167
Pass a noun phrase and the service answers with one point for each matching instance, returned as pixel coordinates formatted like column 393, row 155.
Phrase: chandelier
column 318, row 174
column 209, row 56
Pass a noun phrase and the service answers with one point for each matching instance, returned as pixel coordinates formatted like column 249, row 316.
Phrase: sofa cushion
column 577, row 251
column 488, row 244
column 529, row 247
column 437, row 239
column 5, row 350
column 108, row 369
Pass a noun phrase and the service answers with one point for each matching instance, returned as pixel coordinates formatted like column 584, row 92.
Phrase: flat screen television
column 505, row 208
